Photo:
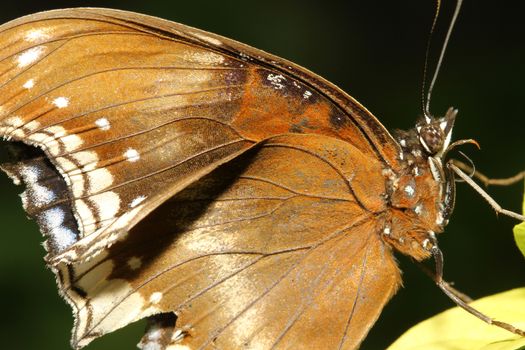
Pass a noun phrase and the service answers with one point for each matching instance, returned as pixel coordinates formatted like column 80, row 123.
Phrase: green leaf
column 519, row 232
column 455, row 329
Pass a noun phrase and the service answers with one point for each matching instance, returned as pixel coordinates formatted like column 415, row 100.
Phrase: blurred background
column 374, row 50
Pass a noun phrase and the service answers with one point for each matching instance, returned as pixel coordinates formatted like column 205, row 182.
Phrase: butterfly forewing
column 121, row 125
column 125, row 113
column 135, row 115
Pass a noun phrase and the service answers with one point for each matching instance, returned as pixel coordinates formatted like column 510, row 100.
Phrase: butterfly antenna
column 426, row 99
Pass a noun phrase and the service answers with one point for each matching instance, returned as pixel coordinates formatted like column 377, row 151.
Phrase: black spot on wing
column 300, row 126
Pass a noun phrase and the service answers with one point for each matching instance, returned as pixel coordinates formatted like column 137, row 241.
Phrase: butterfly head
column 434, row 134
column 430, row 139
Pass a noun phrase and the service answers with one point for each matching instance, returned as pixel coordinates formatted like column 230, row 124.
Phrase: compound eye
column 431, row 138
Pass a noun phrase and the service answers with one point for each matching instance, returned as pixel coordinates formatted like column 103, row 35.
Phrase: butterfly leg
column 487, row 181
column 458, row 299
column 452, row 165
column 432, row 274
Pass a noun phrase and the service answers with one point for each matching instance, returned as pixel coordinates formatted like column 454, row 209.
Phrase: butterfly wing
column 141, row 119
column 127, row 118
column 131, row 109
column 261, row 253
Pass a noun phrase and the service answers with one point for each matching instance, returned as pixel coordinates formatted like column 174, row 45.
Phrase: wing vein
column 167, row 168
column 268, row 181
column 326, row 161
column 358, row 292
column 334, row 235
column 309, row 299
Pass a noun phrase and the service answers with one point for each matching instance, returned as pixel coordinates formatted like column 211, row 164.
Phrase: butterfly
column 189, row 176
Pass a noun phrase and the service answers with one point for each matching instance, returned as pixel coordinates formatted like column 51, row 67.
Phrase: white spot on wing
column 59, row 137
column 276, row 80
column 107, row 204
column 42, row 195
column 155, row 298
column 65, row 164
column 61, row 102
column 56, row 131
column 134, row 263
column 63, row 237
column 53, row 218
column 10, row 124
column 35, row 35
column 32, row 125
column 132, row 155
column 29, row 84
column 72, row 142
column 38, row 137
column 307, row 95
column 100, row 179
column 103, row 124
column 30, row 174
column 29, row 56
column 86, row 159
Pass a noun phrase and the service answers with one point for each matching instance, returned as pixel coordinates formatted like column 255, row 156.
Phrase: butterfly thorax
column 421, row 196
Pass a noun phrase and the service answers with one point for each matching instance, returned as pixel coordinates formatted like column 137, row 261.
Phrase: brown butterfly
column 185, row 173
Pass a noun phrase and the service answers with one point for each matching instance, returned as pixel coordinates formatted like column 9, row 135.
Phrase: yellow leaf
column 455, row 329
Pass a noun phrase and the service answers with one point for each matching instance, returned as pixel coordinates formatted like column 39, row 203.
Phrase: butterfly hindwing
column 257, row 254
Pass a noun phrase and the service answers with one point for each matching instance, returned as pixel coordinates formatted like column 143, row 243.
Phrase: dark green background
column 374, row 51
